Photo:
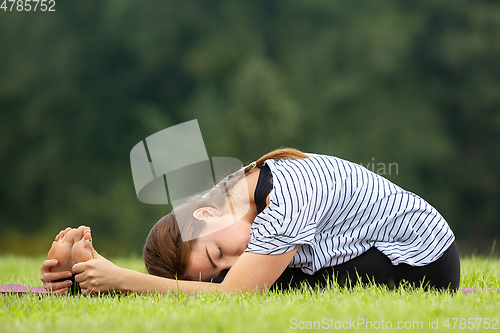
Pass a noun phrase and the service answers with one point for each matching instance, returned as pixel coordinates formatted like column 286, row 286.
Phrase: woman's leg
column 374, row 266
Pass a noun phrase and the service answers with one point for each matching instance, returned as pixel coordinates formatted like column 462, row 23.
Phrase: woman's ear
column 203, row 213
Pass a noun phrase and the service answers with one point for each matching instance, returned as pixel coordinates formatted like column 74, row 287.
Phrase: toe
column 82, row 249
column 61, row 234
column 78, row 235
column 70, row 236
column 89, row 246
column 87, row 232
column 87, row 236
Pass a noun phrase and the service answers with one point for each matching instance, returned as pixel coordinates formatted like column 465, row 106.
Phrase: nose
column 228, row 261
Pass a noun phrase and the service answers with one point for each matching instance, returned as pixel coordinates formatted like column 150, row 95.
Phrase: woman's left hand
column 98, row 276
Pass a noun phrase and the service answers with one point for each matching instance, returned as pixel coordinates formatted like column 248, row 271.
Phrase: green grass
column 265, row 312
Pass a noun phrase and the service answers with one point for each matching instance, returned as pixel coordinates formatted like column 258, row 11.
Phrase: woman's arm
column 256, row 272
column 251, row 272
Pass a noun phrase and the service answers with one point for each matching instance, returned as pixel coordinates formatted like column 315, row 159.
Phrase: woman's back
column 337, row 210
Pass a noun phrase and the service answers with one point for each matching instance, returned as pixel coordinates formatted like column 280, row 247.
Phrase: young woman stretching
column 300, row 218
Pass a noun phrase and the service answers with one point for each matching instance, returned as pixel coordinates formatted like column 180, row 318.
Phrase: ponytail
column 278, row 154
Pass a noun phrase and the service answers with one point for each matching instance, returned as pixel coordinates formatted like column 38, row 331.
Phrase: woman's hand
column 49, row 278
column 98, row 276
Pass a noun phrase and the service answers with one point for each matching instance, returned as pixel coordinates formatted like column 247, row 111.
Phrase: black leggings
column 374, row 266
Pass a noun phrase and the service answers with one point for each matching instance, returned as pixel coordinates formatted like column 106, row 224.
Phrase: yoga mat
column 22, row 290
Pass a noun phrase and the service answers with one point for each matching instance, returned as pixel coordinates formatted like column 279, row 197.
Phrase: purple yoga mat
column 21, row 290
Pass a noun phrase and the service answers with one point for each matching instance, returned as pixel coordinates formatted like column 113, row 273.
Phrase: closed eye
column 220, row 250
column 210, row 258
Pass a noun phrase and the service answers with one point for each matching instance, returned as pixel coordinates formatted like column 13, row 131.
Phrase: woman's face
column 216, row 252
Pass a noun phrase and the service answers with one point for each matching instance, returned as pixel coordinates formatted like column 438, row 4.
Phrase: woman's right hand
column 49, row 278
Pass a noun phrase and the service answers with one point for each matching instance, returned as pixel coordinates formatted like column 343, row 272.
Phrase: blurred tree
column 410, row 83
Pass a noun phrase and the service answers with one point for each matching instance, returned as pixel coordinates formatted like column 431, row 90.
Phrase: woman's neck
column 243, row 194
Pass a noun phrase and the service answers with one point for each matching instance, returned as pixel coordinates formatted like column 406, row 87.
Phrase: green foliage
column 413, row 83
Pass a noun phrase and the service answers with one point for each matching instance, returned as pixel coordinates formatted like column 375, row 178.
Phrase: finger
column 84, row 286
column 48, row 277
column 59, row 292
column 48, row 264
column 91, row 291
column 81, row 278
column 80, row 267
column 56, row 286
column 46, row 267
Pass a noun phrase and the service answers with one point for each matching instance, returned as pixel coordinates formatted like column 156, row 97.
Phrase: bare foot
column 82, row 249
column 62, row 233
column 70, row 248
column 61, row 250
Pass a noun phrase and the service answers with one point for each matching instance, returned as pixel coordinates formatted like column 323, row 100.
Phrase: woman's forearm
column 101, row 275
column 242, row 277
column 134, row 281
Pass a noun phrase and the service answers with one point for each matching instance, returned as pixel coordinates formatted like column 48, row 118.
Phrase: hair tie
column 254, row 165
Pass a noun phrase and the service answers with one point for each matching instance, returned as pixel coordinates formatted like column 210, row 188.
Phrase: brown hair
column 165, row 253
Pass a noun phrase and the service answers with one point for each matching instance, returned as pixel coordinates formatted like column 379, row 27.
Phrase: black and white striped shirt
column 336, row 210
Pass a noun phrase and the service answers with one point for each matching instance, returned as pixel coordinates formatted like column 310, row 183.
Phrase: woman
column 299, row 218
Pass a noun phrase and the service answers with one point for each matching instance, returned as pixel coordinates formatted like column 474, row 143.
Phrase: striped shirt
column 335, row 210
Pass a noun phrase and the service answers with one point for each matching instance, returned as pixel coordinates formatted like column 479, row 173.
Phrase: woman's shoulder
column 311, row 158
column 315, row 165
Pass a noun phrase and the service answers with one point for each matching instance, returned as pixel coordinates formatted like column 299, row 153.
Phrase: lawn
column 359, row 309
